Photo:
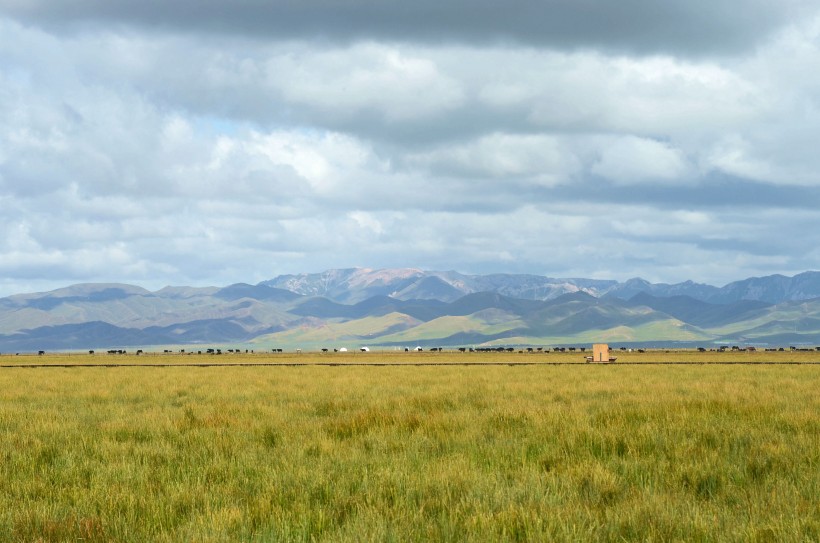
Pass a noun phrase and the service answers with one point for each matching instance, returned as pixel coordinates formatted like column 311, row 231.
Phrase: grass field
column 701, row 452
column 393, row 356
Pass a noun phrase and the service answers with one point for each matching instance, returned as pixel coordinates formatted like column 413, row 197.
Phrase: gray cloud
column 629, row 26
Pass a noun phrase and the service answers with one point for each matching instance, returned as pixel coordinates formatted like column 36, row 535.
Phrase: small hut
column 600, row 353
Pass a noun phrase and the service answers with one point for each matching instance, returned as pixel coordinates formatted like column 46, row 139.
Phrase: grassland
column 699, row 452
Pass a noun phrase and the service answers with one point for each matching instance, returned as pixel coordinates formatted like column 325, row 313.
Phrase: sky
column 205, row 142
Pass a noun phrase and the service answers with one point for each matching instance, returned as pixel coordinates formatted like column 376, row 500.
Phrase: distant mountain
column 772, row 289
column 255, row 292
column 429, row 288
column 701, row 313
column 86, row 292
column 102, row 335
column 404, row 307
column 357, row 284
column 348, row 285
column 632, row 287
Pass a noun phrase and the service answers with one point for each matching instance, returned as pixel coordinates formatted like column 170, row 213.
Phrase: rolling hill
column 411, row 307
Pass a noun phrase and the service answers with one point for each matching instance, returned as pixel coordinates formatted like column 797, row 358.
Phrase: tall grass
column 410, row 454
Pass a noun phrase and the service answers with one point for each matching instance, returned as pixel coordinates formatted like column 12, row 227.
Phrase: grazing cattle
column 90, row 352
column 139, row 352
column 462, row 349
column 324, row 350
column 41, row 353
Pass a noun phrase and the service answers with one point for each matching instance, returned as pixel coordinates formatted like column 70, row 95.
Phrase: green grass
column 331, row 334
column 397, row 328
column 661, row 330
column 443, row 327
column 494, row 453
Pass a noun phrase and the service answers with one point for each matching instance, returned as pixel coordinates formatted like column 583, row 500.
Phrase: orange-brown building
column 600, row 353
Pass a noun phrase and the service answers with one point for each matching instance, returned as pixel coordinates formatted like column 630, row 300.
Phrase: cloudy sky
column 206, row 142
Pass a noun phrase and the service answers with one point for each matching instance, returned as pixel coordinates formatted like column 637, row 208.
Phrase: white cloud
column 542, row 159
column 398, row 85
column 367, row 221
column 778, row 146
column 631, row 160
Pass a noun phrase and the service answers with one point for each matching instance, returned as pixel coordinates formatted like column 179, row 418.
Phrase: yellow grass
column 411, row 453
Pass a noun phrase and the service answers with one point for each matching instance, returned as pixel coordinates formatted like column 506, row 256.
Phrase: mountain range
column 397, row 308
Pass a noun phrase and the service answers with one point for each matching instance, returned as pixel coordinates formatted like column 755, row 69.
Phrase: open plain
column 661, row 446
